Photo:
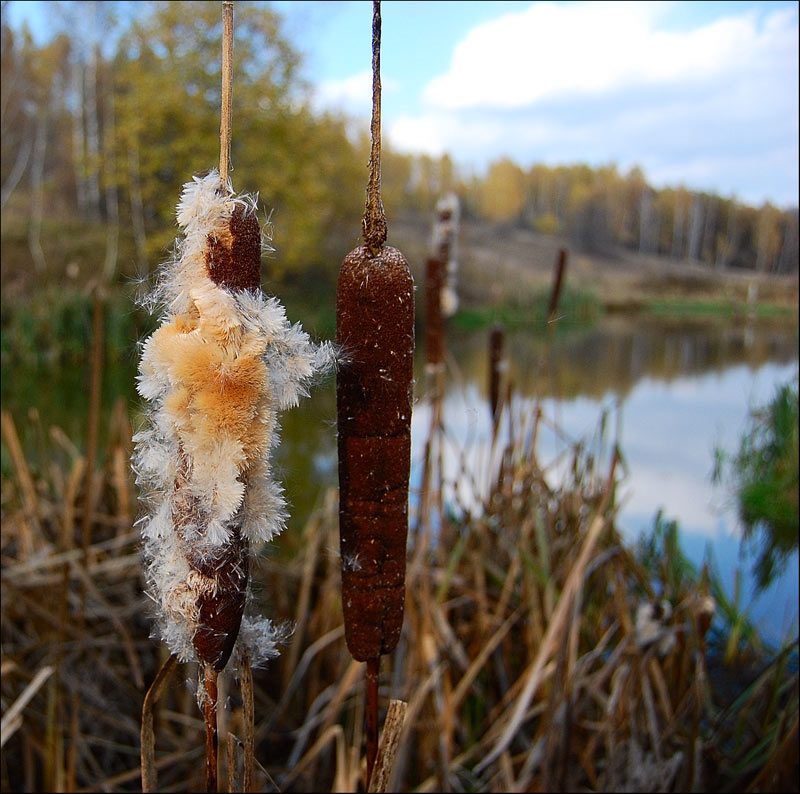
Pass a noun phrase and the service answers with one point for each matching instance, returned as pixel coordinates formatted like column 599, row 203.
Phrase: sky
column 698, row 94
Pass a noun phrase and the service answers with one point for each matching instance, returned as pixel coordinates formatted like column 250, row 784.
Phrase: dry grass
column 519, row 658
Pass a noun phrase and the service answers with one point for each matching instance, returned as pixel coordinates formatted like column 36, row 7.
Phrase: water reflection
column 673, row 392
column 617, row 353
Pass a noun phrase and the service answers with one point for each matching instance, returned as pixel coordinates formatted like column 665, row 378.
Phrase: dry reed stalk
column 390, row 739
column 313, row 537
column 209, row 706
column 534, row 676
column 375, row 329
column 93, row 419
column 11, row 720
column 27, row 535
column 248, row 720
column 152, row 696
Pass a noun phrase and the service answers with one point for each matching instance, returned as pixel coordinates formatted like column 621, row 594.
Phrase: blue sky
column 700, row 94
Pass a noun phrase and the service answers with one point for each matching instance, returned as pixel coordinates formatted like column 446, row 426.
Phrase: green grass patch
column 683, row 307
column 576, row 309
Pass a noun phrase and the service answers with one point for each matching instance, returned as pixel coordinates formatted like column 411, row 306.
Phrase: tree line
column 101, row 125
column 602, row 208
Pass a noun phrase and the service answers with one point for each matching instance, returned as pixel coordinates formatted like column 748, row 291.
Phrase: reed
column 375, row 331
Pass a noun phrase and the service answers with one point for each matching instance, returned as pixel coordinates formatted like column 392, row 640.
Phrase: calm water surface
column 670, row 392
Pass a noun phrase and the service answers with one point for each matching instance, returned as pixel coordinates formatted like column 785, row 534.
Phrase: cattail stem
column 374, row 224
column 248, row 718
column 227, row 93
column 210, row 719
column 371, row 717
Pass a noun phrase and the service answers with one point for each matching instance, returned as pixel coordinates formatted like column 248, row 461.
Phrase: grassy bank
column 719, row 309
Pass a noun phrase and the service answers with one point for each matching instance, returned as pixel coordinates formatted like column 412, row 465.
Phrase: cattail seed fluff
column 216, row 372
column 375, row 331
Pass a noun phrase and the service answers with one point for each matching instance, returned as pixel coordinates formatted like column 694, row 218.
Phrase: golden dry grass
column 519, row 660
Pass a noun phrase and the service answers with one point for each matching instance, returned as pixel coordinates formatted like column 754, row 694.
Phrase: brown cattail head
column 233, row 258
column 558, row 283
column 496, row 340
column 375, row 331
column 435, row 273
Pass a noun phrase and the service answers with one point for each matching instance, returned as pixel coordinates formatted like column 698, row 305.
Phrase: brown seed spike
column 375, row 330
column 219, row 577
column 220, row 612
column 233, row 259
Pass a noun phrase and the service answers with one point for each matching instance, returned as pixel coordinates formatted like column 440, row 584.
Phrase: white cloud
column 352, row 94
column 551, row 50
column 711, row 107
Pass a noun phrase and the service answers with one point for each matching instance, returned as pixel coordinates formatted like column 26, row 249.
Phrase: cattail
column 496, row 342
column 375, row 332
column 558, row 282
column 375, row 329
column 445, row 237
column 441, row 300
column 221, row 365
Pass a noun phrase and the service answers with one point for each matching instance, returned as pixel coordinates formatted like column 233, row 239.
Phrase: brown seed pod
column 435, row 274
column 233, row 260
column 375, row 331
column 219, row 573
column 496, row 340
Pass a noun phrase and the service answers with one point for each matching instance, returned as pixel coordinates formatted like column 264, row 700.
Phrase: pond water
column 670, row 391
column 669, row 396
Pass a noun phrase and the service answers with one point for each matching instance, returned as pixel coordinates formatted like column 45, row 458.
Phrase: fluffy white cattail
column 223, row 362
column 444, row 239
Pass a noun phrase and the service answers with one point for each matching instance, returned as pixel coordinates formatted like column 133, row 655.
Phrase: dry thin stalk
column 390, row 739
column 119, row 624
column 210, row 676
column 248, row 720
column 554, row 628
column 373, row 669
column 230, row 746
column 93, row 419
column 27, row 488
column 226, row 114
column 313, row 536
column 12, row 719
column 152, row 696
